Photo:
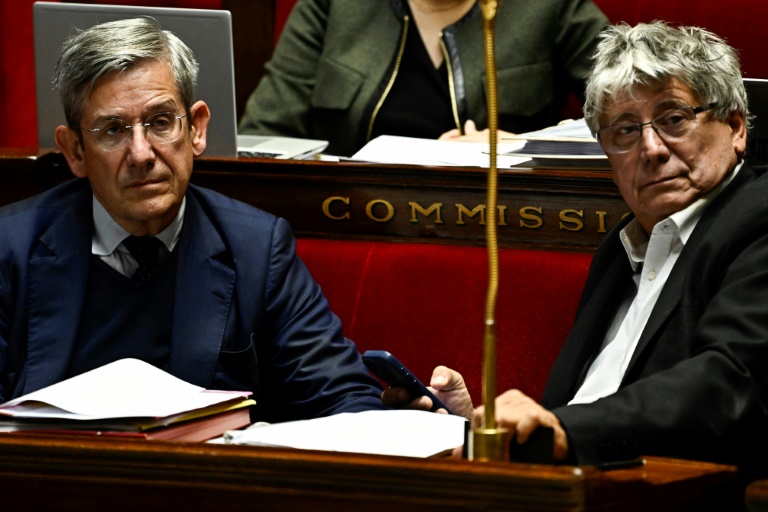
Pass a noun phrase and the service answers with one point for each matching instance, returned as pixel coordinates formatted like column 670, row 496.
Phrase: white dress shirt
column 108, row 236
column 652, row 260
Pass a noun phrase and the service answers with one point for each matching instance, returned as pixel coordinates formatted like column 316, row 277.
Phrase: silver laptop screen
column 207, row 32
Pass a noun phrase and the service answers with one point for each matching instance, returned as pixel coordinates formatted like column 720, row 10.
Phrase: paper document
column 389, row 149
column 127, row 388
column 570, row 129
column 399, row 432
column 566, row 145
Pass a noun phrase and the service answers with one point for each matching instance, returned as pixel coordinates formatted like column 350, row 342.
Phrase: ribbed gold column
column 488, row 442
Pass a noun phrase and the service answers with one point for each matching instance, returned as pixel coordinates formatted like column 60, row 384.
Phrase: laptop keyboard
column 258, row 154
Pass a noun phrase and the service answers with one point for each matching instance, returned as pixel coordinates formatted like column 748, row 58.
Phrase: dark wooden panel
column 547, row 209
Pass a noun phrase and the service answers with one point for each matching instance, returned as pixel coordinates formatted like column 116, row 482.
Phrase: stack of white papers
column 569, row 129
column 389, row 149
column 567, row 145
column 127, row 388
column 399, row 432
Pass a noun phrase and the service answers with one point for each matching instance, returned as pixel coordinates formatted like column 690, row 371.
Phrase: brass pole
column 489, row 443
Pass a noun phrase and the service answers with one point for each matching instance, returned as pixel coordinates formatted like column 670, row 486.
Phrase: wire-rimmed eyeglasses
column 114, row 134
column 671, row 126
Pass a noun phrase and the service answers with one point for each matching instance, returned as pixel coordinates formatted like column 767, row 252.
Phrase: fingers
column 522, row 416
column 530, row 421
column 505, row 136
column 450, row 134
column 449, row 386
column 445, row 379
column 399, row 398
column 561, row 442
column 396, row 398
column 472, row 134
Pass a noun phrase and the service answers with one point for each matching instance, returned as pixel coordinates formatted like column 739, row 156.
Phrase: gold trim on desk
column 569, row 210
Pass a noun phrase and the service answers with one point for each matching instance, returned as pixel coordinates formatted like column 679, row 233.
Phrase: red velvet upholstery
column 736, row 20
column 18, row 110
column 425, row 304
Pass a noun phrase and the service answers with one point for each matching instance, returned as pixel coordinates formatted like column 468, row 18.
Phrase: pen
column 620, row 464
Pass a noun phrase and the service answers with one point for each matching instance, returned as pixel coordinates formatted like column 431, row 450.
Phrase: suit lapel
column 205, row 284
column 588, row 332
column 670, row 296
column 58, row 273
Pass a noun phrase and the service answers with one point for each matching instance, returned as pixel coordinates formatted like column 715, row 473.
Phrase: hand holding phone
column 386, row 367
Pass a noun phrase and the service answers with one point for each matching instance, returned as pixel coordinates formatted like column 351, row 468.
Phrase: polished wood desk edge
column 313, row 167
column 757, row 496
column 215, row 465
column 444, row 173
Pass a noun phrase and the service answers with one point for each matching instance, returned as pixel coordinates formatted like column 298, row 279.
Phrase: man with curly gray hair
column 669, row 351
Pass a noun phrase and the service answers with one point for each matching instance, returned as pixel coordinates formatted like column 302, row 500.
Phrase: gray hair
column 116, row 46
column 654, row 53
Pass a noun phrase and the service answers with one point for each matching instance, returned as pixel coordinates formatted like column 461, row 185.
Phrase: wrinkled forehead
column 647, row 95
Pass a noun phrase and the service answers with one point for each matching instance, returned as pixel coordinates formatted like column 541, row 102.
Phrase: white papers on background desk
column 390, row 149
column 398, row 432
column 569, row 145
column 568, row 129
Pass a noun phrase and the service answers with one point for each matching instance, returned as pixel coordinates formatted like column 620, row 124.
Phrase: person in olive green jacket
column 349, row 70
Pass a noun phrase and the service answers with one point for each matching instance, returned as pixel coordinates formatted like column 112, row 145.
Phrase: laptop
column 268, row 146
column 207, row 32
column 757, row 142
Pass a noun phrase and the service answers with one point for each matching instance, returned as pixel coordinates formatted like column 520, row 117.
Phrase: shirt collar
column 635, row 239
column 108, row 234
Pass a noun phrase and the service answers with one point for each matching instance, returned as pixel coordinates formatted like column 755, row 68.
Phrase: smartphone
column 386, row 367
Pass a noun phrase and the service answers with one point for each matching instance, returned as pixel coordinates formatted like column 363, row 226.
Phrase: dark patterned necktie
column 146, row 251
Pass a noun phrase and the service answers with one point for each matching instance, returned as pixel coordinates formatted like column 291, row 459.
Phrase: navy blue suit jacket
column 246, row 315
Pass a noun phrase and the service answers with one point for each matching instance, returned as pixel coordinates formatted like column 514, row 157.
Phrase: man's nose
column 651, row 141
column 139, row 144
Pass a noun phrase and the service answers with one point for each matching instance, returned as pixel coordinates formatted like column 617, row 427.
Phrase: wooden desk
column 85, row 473
column 548, row 209
column 757, row 496
column 80, row 474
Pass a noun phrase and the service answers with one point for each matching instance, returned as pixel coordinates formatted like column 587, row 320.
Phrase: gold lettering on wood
column 390, row 210
column 463, row 210
column 528, row 213
column 571, row 222
column 502, row 216
column 436, row 208
column 327, row 208
column 530, row 217
column 601, row 221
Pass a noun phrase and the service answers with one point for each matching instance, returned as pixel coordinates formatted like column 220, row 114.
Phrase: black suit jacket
column 697, row 384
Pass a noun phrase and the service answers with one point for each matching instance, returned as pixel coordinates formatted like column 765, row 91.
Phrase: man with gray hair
column 134, row 262
column 669, row 351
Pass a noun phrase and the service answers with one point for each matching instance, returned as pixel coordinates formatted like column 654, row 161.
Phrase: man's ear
column 199, row 116
column 738, row 125
column 69, row 145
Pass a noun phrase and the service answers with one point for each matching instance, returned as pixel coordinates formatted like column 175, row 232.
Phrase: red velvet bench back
column 425, row 304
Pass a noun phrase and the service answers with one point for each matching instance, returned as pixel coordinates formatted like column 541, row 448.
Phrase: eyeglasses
column 671, row 126
column 114, row 134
